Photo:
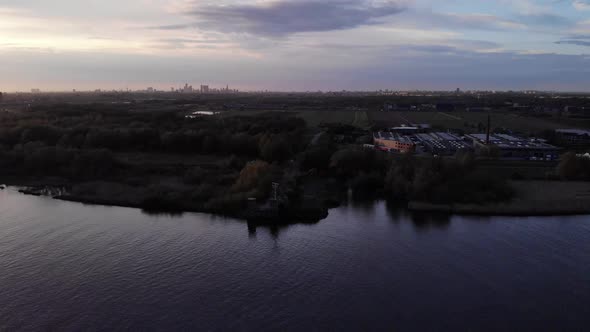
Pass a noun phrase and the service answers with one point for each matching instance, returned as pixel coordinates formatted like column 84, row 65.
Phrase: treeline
column 574, row 167
column 369, row 173
column 36, row 159
column 82, row 142
column 272, row 137
column 93, row 146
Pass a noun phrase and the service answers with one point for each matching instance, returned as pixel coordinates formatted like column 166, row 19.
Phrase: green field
column 391, row 119
column 358, row 119
column 469, row 121
column 466, row 121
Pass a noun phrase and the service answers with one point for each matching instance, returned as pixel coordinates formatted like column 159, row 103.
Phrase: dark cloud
column 284, row 17
column 579, row 36
column 191, row 40
column 574, row 42
column 454, row 46
column 458, row 21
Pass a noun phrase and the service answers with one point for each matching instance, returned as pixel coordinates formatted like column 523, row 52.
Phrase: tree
column 570, row 167
column 275, row 149
column 349, row 162
column 465, row 159
column 251, row 176
column 316, row 158
column 367, row 184
column 400, row 176
column 481, row 127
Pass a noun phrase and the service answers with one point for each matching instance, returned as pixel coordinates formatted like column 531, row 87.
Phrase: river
column 73, row 267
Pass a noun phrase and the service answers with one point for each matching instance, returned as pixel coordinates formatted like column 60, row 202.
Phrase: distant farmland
column 391, row 119
column 468, row 121
column 358, row 119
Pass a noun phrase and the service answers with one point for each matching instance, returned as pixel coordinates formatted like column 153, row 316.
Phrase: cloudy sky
column 295, row 44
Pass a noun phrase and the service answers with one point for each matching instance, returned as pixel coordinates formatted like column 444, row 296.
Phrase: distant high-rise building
column 35, row 90
column 187, row 88
column 204, row 89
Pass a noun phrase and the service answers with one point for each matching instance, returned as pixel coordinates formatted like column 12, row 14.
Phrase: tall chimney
column 489, row 129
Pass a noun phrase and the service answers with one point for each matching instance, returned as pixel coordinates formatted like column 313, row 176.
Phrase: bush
column 477, row 188
column 194, row 175
column 352, row 161
column 276, row 148
column 162, row 199
column 573, row 167
column 160, row 203
column 316, row 158
column 253, row 174
column 444, row 181
column 229, row 203
column 367, row 184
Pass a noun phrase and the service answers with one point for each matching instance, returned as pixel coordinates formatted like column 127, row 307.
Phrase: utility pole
column 489, row 129
column 275, row 191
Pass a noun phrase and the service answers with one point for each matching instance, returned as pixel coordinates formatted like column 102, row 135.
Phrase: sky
column 295, row 45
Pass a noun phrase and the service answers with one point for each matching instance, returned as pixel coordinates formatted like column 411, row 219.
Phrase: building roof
column 385, row 135
column 448, row 136
column 442, row 140
column 513, row 142
column 579, row 132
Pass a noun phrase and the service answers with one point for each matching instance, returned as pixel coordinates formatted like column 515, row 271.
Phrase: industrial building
column 441, row 143
column 513, row 147
column 438, row 143
column 393, row 142
column 412, row 128
column 574, row 137
column 506, row 147
column 577, row 111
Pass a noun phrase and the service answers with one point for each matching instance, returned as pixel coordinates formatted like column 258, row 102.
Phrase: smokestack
column 489, row 128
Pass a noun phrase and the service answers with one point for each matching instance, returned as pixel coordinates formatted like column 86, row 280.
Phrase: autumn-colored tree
column 251, row 176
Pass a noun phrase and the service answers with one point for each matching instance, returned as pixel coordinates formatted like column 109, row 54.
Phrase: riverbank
column 107, row 193
column 532, row 198
column 305, row 213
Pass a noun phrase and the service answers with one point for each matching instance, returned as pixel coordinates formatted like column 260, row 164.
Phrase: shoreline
column 496, row 210
column 518, row 208
column 533, row 198
column 301, row 214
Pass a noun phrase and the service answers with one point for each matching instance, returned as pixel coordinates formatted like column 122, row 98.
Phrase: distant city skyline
column 198, row 90
column 315, row 45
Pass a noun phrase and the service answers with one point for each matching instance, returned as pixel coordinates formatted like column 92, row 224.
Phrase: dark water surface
column 67, row 266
